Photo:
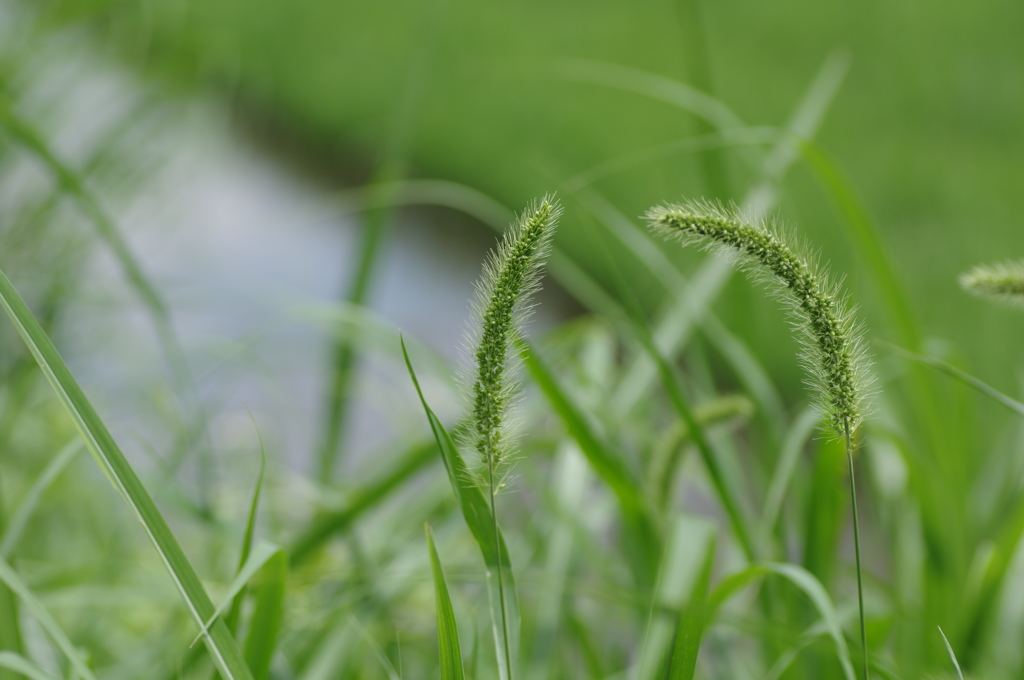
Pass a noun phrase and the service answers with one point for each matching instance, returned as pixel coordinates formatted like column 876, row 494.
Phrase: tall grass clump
column 833, row 352
column 1003, row 281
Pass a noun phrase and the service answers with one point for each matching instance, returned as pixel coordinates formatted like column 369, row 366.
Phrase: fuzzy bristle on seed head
column 833, row 351
column 1003, row 281
column 511, row 275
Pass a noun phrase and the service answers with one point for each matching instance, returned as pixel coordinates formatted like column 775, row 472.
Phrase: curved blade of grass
column 952, row 656
column 260, row 556
column 803, row 580
column 643, row 544
column 16, row 526
column 19, row 664
column 268, row 617
column 447, row 629
column 477, row 513
column 39, row 612
column 951, row 370
column 105, row 450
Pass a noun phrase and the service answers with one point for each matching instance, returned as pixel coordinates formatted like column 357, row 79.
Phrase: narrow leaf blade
column 101, row 444
column 447, row 628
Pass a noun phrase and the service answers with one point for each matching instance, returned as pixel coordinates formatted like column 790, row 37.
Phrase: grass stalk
column 856, row 547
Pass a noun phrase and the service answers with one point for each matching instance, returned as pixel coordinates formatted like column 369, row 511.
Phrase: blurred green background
column 926, row 123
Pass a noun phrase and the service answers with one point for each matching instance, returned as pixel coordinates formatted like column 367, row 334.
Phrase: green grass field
column 668, row 502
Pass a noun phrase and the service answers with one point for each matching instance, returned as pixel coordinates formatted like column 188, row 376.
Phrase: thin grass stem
column 856, row 546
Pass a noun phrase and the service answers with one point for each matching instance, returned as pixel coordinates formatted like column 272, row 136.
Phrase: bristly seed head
column 833, row 351
column 511, row 275
column 1003, row 281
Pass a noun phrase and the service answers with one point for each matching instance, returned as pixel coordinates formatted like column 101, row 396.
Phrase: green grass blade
column 952, row 656
column 689, row 548
column 268, row 617
column 967, row 378
column 643, row 544
column 14, row 529
column 690, row 629
column 803, row 580
column 105, row 450
column 39, row 612
column 260, row 556
column 477, row 513
column 250, row 530
column 447, row 629
column 19, row 664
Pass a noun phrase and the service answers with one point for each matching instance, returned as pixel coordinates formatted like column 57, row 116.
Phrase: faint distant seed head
column 1003, row 281
column 833, row 351
column 511, row 275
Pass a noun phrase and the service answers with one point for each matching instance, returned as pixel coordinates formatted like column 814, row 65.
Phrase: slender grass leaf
column 260, row 556
column 690, row 629
column 12, row 533
column 19, row 664
column 481, row 523
column 686, row 554
column 39, row 612
column 105, row 450
column 643, row 544
column 447, row 629
column 803, row 580
column 952, row 656
column 268, row 616
column 250, row 530
column 962, row 376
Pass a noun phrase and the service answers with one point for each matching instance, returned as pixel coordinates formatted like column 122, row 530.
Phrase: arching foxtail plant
column 833, row 352
column 1003, row 281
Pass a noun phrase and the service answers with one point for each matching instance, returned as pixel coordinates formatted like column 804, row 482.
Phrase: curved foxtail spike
column 833, row 350
column 511, row 275
column 1003, row 281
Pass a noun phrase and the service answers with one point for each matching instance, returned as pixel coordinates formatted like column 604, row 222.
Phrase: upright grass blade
column 250, row 530
column 221, row 645
column 690, row 628
column 677, row 608
column 32, row 604
column 477, row 512
column 268, row 616
column 447, row 629
column 10, row 625
column 19, row 664
column 643, row 544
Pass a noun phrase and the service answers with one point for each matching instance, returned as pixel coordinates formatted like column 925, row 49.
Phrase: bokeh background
column 248, row 150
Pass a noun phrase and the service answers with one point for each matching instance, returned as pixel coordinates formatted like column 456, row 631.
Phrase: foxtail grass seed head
column 833, row 351
column 1003, row 281
column 511, row 275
